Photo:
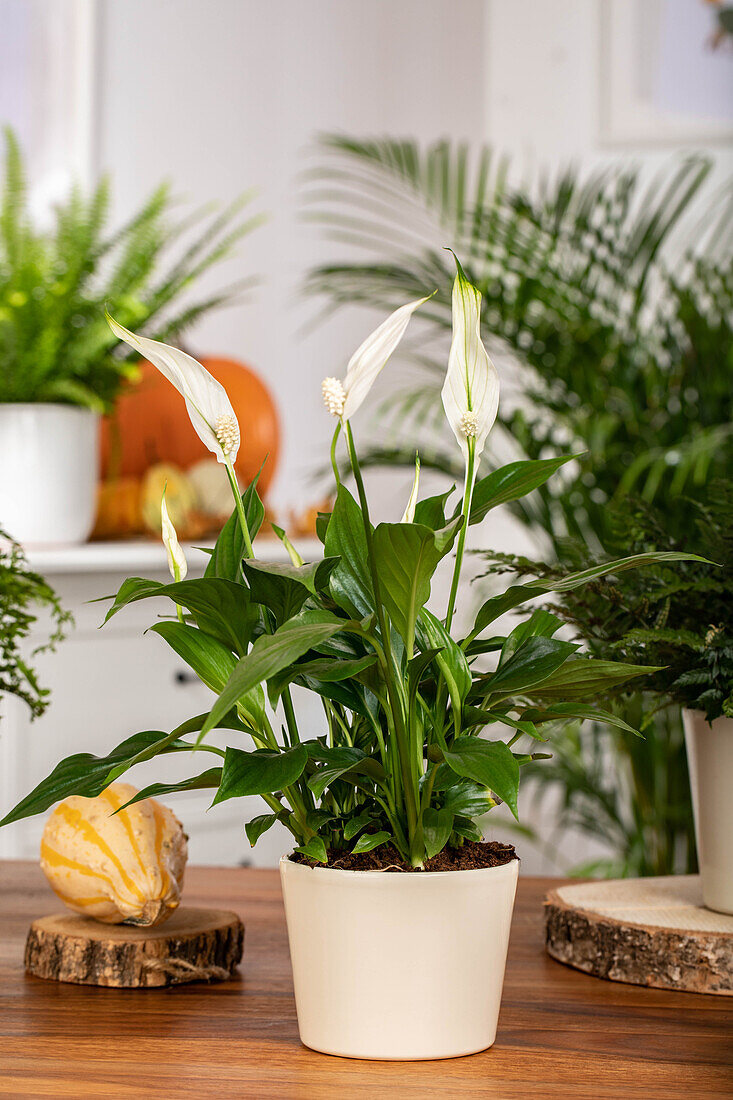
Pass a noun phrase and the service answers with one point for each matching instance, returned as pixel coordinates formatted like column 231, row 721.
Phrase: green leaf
column 212, row 661
column 511, row 482
column 406, row 556
column 468, row 799
column 284, row 587
column 520, row 593
column 431, row 511
column 533, row 662
column 315, row 849
column 259, row 772
column 437, row 828
column 351, row 585
column 132, row 589
column 226, row 560
column 268, row 656
column 489, row 763
column 585, row 677
column 563, row 711
column 451, row 660
column 355, row 824
column 340, row 761
column 205, row 781
column 369, row 841
column 259, row 825
column 88, row 775
column 326, row 670
column 540, row 624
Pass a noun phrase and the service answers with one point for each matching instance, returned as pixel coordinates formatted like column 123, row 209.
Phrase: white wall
column 225, row 95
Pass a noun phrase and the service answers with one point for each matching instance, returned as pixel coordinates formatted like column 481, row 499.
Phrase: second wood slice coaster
column 648, row 931
column 192, row 945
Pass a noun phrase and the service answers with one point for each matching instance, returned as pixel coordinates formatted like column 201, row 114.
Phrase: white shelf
column 133, row 557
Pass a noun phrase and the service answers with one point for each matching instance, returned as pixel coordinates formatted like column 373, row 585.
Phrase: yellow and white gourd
column 125, row 867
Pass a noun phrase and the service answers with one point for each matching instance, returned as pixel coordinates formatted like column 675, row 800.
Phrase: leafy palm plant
column 400, row 761
column 54, row 343
column 611, row 300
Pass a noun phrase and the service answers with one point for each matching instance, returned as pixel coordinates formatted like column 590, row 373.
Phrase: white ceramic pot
column 49, row 468
column 710, row 760
column 401, row 966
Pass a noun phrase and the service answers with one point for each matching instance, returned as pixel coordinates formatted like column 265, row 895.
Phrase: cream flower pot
column 400, row 966
column 710, row 760
column 49, row 469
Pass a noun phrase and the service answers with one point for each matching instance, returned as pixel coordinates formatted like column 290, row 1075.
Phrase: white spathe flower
column 209, row 407
column 342, row 399
column 176, row 558
column 408, row 516
column 471, row 389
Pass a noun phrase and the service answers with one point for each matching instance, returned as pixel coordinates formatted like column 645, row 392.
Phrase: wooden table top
column 561, row 1033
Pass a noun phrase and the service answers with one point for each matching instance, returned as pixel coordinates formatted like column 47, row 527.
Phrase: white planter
column 49, row 468
column 402, row 966
column 710, row 760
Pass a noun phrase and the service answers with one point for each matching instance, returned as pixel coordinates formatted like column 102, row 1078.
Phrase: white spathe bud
column 334, row 395
column 176, row 558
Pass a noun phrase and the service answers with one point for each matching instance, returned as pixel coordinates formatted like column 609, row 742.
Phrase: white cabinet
column 109, row 683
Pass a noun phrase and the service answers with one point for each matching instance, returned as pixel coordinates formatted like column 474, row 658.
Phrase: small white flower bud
column 469, row 424
column 334, row 395
column 226, row 430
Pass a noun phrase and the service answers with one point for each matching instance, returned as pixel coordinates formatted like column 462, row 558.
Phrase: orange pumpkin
column 150, row 425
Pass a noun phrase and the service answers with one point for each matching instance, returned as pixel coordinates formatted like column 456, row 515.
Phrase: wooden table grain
column 561, row 1033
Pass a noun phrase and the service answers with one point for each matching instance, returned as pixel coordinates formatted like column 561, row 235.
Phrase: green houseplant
column 400, row 776
column 58, row 367
column 610, row 300
column 682, row 620
column 23, row 593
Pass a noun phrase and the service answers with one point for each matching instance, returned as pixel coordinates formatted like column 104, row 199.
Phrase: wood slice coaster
column 649, row 931
column 192, row 945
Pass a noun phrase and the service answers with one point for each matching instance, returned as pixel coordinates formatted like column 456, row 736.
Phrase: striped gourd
column 125, row 867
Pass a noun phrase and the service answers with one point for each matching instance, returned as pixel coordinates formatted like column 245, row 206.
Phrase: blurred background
column 318, row 156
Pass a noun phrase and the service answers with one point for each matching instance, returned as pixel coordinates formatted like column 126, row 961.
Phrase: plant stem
column 334, row 463
column 395, row 703
column 240, row 509
column 467, row 497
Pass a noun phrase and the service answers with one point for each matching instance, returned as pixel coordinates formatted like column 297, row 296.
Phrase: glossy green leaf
column 212, row 661
column 563, row 711
column 314, row 849
column 340, row 761
column 585, row 677
column 533, row 662
column 355, row 824
column 512, row 482
column 260, row 772
column 259, row 825
column 284, row 587
column 205, row 781
column 520, row 593
column 489, row 763
column 431, row 511
column 368, row 841
column 406, row 556
column 437, row 827
column 467, row 798
column 351, row 585
column 268, row 656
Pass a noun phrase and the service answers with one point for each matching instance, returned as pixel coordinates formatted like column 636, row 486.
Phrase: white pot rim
column 419, row 878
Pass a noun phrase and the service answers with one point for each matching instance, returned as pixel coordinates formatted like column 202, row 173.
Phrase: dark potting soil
column 472, row 855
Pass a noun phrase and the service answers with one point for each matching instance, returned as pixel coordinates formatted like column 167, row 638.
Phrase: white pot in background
column 710, row 760
column 401, row 966
column 49, row 469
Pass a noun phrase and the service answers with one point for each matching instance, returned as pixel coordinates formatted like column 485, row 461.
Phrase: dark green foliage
column 678, row 617
column 22, row 594
column 55, row 344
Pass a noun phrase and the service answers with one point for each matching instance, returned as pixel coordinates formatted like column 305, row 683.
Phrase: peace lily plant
column 414, row 748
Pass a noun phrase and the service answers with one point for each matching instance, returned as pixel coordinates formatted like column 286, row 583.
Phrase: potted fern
column 398, row 910
column 681, row 620
column 58, row 372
